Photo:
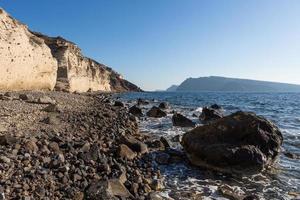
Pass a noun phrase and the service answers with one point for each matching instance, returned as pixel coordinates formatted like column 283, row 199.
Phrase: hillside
column 215, row 83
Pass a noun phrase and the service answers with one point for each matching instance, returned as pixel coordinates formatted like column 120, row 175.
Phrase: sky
column 157, row 43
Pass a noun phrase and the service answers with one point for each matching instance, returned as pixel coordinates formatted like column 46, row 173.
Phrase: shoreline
column 71, row 146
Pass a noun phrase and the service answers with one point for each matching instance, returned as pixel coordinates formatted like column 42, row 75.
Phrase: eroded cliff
column 26, row 61
column 33, row 61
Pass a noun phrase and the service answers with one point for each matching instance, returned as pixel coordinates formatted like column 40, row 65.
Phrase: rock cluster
column 92, row 151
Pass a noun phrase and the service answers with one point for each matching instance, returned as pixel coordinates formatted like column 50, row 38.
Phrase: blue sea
column 182, row 180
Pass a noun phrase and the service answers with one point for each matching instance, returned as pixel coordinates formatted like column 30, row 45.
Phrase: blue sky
column 156, row 43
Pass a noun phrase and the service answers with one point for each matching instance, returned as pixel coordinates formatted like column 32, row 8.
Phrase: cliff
column 26, row 61
column 215, row 83
column 33, row 61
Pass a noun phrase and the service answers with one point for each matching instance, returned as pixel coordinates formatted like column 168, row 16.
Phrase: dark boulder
column 163, row 105
column 156, row 112
column 240, row 142
column 209, row 114
column 216, row 106
column 136, row 111
column 182, row 121
column 142, row 101
column 134, row 144
column 119, row 103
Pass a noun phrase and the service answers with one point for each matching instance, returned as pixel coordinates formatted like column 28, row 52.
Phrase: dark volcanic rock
column 156, row 112
column 136, row 111
column 142, row 101
column 163, row 105
column 119, row 103
column 182, row 121
column 216, row 106
column 241, row 142
column 210, row 114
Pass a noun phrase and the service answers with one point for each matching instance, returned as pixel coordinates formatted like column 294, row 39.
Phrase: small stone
column 86, row 147
column 78, row 196
column 31, row 146
column 126, row 152
column 5, row 159
column 23, row 97
column 46, row 100
column 54, row 147
column 157, row 185
column 52, row 108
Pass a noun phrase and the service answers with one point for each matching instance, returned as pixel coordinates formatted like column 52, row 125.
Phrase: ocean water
column 182, row 180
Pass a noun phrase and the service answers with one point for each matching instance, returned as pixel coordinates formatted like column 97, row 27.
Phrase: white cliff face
column 33, row 61
column 26, row 62
column 76, row 72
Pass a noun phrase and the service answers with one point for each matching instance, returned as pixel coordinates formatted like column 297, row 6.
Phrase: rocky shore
column 57, row 145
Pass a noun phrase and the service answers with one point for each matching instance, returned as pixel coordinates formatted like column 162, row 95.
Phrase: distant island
column 172, row 88
column 217, row 83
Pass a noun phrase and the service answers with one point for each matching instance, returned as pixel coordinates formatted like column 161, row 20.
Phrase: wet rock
column 209, row 114
column 291, row 155
column 233, row 193
column 215, row 106
column 241, row 142
column 163, row 105
column 157, row 185
column 119, row 103
column 251, row 197
column 165, row 142
column 142, row 101
column 135, row 145
column 156, row 112
column 136, row 111
column 177, row 138
column 162, row 158
column 182, row 121
column 126, row 152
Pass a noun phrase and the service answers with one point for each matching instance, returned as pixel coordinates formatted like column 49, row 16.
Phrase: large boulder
column 136, row 111
column 182, row 121
column 156, row 112
column 209, row 113
column 163, row 105
column 240, row 142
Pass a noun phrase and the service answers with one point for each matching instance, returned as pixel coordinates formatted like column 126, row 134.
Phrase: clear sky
column 156, row 43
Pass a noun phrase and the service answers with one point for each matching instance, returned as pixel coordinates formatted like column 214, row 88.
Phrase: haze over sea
column 281, row 108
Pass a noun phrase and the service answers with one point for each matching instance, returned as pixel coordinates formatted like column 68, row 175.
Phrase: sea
column 183, row 181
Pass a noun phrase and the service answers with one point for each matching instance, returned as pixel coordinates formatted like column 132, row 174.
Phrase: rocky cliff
column 33, row 61
column 26, row 61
